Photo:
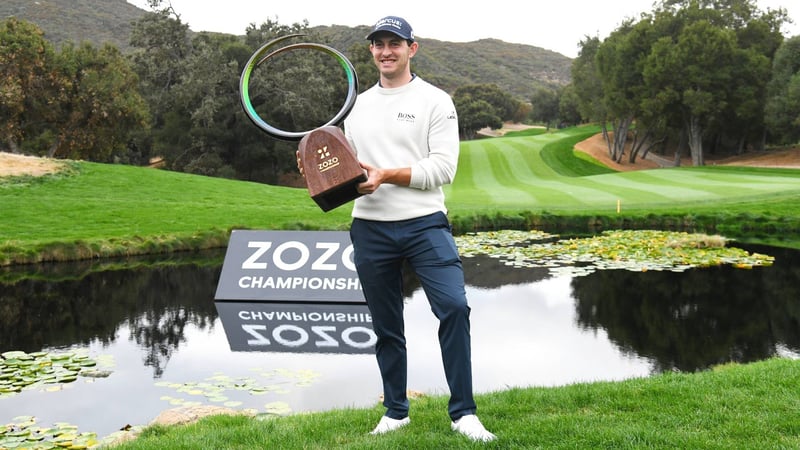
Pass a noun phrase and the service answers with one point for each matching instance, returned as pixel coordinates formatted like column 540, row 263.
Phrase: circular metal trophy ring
column 258, row 58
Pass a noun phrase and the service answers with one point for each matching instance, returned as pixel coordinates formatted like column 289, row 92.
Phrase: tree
column 783, row 104
column 703, row 55
column 474, row 114
column 483, row 105
column 568, row 106
column 101, row 106
column 757, row 41
column 162, row 44
column 79, row 103
column 697, row 66
column 28, row 84
column 586, row 82
column 619, row 61
column 545, row 103
column 504, row 104
column 204, row 140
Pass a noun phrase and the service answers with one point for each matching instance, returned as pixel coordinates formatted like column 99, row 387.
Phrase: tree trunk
column 740, row 146
column 13, row 147
column 695, row 135
column 644, row 146
column 681, row 146
column 640, row 138
column 635, row 146
column 620, row 138
column 51, row 152
column 607, row 140
column 762, row 144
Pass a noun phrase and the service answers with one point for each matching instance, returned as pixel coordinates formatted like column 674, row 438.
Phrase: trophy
column 331, row 169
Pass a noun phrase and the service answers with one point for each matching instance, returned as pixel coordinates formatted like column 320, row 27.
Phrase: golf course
column 529, row 179
column 53, row 210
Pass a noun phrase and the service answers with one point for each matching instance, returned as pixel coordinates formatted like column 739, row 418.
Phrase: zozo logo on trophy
column 328, row 162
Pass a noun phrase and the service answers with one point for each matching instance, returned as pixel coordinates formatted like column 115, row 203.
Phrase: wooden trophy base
column 330, row 167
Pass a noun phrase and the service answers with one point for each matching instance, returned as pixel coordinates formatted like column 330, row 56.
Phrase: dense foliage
column 783, row 101
column 692, row 75
column 698, row 76
column 79, row 102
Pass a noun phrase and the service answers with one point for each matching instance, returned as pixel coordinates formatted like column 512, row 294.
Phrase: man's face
column 392, row 54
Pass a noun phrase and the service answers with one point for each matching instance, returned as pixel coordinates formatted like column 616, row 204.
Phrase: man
column 405, row 133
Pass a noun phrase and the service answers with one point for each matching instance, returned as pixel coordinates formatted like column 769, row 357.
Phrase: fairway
column 509, row 173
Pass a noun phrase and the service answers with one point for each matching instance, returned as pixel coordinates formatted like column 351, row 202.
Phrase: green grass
column 750, row 406
column 535, row 180
column 101, row 210
column 542, row 173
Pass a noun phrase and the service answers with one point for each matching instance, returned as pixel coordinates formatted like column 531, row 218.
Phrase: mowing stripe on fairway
column 509, row 173
column 643, row 186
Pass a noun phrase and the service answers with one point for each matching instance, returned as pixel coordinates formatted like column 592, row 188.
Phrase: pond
column 155, row 332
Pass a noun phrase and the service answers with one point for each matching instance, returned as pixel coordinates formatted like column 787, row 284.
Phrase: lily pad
column 20, row 370
column 634, row 250
column 278, row 408
column 24, row 433
column 215, row 388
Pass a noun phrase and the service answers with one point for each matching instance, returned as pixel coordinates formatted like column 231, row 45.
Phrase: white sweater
column 411, row 126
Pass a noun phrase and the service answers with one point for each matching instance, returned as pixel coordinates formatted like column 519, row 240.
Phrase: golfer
column 405, row 133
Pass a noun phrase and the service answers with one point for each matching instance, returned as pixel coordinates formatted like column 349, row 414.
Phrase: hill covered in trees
column 516, row 68
column 95, row 21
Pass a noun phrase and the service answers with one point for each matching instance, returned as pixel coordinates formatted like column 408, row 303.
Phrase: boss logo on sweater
column 405, row 117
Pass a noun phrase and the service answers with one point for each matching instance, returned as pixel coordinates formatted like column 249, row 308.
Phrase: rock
column 177, row 416
column 188, row 414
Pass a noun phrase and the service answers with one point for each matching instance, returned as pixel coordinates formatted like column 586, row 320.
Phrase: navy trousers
column 380, row 248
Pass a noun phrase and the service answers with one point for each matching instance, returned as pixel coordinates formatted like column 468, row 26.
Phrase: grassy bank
column 750, row 406
column 98, row 210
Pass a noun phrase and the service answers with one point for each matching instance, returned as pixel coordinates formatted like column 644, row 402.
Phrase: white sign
column 289, row 266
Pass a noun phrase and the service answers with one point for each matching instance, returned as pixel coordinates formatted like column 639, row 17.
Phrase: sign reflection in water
column 159, row 322
column 297, row 327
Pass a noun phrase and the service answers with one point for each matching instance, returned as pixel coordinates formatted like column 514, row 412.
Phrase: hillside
column 95, row 21
column 515, row 68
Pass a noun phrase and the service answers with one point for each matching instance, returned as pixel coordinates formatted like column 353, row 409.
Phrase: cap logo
column 389, row 21
column 393, row 24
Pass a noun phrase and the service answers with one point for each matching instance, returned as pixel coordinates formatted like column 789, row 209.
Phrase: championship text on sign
column 297, row 328
column 293, row 266
column 330, row 166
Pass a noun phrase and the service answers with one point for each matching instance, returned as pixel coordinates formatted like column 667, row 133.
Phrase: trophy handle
column 262, row 55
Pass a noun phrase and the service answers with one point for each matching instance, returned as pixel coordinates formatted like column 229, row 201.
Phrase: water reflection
column 80, row 303
column 693, row 320
column 157, row 318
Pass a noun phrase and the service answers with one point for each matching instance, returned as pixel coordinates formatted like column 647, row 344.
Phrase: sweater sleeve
column 439, row 168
